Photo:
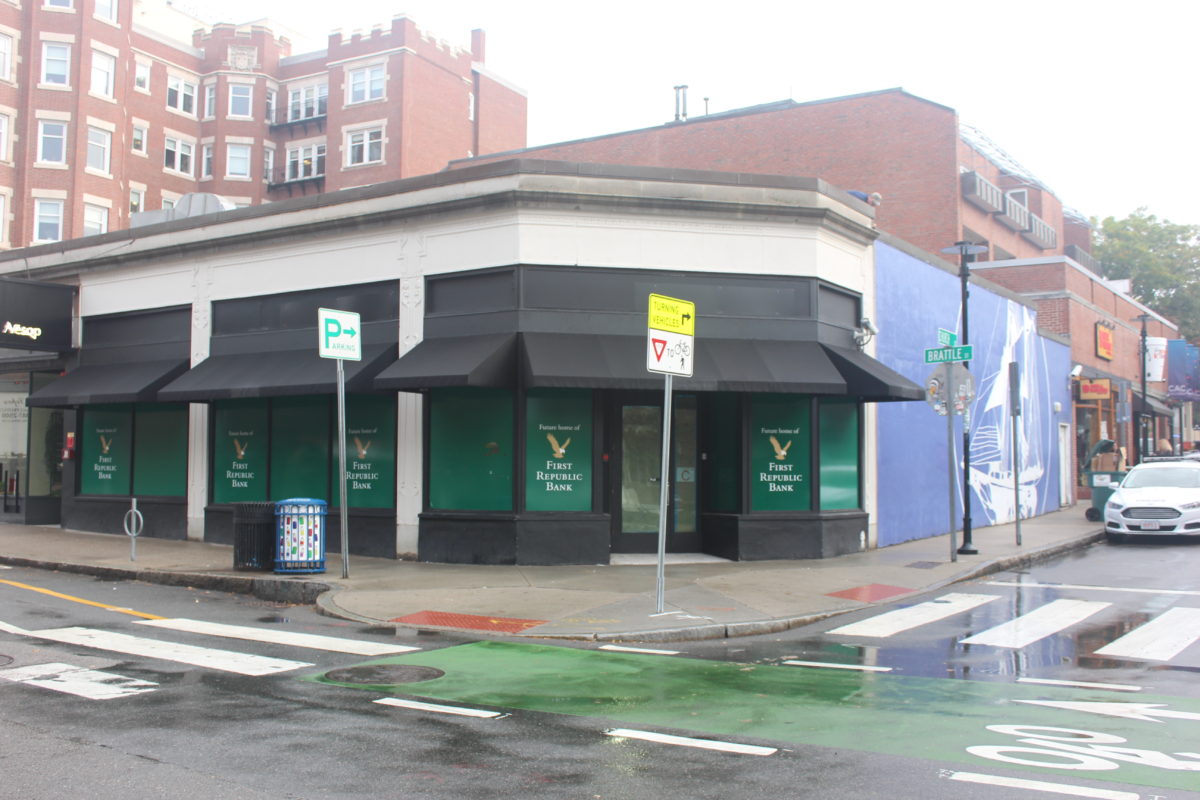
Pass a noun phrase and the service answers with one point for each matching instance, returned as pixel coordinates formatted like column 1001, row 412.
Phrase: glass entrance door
column 635, row 523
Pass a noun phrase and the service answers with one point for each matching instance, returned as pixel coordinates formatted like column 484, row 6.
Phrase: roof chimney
column 681, row 103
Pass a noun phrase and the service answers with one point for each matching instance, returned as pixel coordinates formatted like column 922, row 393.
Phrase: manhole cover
column 5, row 660
column 383, row 674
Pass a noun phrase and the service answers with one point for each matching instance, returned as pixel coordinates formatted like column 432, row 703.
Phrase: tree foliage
column 1161, row 258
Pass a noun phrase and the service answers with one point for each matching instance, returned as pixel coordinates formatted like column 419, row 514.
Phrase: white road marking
column 1043, row 786
column 1138, row 590
column 621, row 649
column 827, row 665
column 903, row 619
column 69, row 679
column 458, row 710
column 683, row 741
column 13, row 629
column 1044, row 621
column 1160, row 639
column 279, row 636
column 210, row 658
column 1116, row 687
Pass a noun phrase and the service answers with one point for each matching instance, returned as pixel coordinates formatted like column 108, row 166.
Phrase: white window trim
column 179, row 139
column 51, row 164
column 116, row 13
column 208, row 91
column 110, row 95
column 206, row 161
column 137, row 64
column 106, row 172
column 37, row 223
column 144, row 126
column 237, row 176
column 195, row 84
column 366, row 127
column 67, row 9
column 349, row 80
column 249, row 101
column 5, row 206
column 14, row 39
column 313, row 86
column 7, row 115
column 107, row 213
column 42, row 82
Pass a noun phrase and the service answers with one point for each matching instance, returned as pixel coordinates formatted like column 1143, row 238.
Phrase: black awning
column 484, row 360
column 869, row 379
column 726, row 365
column 1153, row 406
column 275, row 373
column 91, row 384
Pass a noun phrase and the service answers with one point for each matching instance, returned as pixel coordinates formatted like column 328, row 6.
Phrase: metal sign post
column 671, row 328
column 949, row 391
column 339, row 338
column 1014, row 396
column 133, row 522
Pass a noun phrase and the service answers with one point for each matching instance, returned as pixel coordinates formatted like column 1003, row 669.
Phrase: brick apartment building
column 107, row 108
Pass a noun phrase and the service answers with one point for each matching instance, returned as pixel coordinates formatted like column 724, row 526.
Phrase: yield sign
column 669, row 353
column 660, row 345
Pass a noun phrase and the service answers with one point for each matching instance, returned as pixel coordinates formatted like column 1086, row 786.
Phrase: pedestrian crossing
column 1161, row 638
column 101, row 685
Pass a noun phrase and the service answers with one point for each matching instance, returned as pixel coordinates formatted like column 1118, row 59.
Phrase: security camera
column 1077, row 370
column 869, row 326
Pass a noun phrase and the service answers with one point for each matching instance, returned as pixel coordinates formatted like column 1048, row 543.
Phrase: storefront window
column 300, row 448
column 471, row 449
column 370, row 451
column 779, row 453
column 558, row 450
column 45, row 445
column 839, row 454
column 240, row 449
column 722, row 456
column 14, row 418
column 105, row 450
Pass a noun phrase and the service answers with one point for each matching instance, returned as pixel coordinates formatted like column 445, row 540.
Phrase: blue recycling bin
column 300, row 535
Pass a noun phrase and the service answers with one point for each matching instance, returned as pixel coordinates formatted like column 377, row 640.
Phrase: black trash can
column 254, row 536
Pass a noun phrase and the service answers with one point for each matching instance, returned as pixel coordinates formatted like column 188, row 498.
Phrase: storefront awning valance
column 1152, row 407
column 869, row 379
column 275, row 373
column 483, row 360
column 92, row 384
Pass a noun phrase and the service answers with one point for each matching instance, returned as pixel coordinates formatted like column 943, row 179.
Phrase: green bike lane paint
column 1067, row 732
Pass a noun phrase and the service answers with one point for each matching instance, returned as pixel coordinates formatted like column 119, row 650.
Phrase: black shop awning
column 483, row 360
column 91, row 384
column 869, row 379
column 1152, row 407
column 275, row 373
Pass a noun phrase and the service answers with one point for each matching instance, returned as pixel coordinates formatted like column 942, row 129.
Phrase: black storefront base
column 165, row 518
column 529, row 539
column 372, row 533
column 741, row 537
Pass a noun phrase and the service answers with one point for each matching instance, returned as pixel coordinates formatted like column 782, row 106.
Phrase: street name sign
column 339, row 334
column 940, row 355
column 947, row 338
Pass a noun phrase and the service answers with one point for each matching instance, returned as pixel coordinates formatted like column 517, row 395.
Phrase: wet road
column 889, row 702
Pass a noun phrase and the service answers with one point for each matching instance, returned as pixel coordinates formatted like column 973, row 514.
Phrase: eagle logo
column 240, row 449
column 105, row 444
column 560, row 451
column 362, row 448
column 780, row 452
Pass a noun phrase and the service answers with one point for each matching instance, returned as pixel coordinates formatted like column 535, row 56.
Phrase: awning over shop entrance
column 274, row 373
column 1152, row 407
column 869, row 379
column 482, row 360
column 91, row 384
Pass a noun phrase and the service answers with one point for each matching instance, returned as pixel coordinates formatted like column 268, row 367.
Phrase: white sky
column 1095, row 98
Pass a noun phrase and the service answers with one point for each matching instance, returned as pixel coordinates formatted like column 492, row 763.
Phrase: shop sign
column 240, row 453
column 1104, row 341
column 779, row 453
column 35, row 315
column 558, row 451
column 1156, row 358
column 370, row 451
column 105, row 455
column 1095, row 388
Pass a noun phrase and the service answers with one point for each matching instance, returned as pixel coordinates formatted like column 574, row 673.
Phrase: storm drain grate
column 383, row 674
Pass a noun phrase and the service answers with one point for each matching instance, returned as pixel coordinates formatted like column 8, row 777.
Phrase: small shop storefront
column 543, row 428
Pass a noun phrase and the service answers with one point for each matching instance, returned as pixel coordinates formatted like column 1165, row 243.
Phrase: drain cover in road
column 446, row 619
column 383, row 674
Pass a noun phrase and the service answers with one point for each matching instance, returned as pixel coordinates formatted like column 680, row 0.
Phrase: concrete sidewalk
column 709, row 599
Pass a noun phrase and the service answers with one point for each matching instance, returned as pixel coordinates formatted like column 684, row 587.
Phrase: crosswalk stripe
column 1160, row 639
column 88, row 683
column 211, row 658
column 903, row 619
column 1044, row 621
column 277, row 636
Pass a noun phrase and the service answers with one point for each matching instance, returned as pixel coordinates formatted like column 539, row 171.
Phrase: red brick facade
column 101, row 117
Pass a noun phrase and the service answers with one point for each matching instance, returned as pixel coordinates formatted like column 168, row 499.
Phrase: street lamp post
column 966, row 251
column 1139, row 432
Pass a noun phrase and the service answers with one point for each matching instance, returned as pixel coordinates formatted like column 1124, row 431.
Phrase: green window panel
column 721, row 437
column 780, row 443
column 240, row 451
column 160, row 449
column 839, row 454
column 301, row 441
column 471, row 449
column 558, row 450
column 106, row 449
column 370, row 452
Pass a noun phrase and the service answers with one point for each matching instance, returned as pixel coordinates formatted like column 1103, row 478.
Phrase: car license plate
column 1149, row 526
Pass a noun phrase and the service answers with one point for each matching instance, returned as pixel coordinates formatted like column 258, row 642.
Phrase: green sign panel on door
column 558, row 450
column 240, row 451
column 779, row 453
column 105, row 451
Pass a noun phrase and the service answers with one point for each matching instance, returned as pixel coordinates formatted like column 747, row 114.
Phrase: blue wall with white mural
column 913, row 300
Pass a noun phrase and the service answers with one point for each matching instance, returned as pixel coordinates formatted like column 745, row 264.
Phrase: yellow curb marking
column 61, row 596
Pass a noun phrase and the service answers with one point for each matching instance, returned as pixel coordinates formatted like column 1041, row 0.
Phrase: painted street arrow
column 1145, row 712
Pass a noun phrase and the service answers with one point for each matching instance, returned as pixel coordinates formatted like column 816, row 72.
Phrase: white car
column 1156, row 498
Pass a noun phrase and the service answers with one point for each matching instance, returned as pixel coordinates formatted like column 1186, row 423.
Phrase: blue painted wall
column 913, row 300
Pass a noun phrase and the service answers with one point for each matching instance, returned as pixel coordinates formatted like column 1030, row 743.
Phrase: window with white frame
column 104, row 71
column 181, row 94
column 177, row 155
column 95, row 219
column 56, row 63
column 6, row 52
column 52, row 142
column 268, row 163
column 241, row 97
column 137, row 200
column 140, row 134
column 210, row 101
column 365, row 84
column 270, row 107
column 364, row 147
column 3, row 218
column 307, row 102
column 141, row 76
column 168, row 202
column 48, row 222
column 59, row 3
column 206, row 160
column 5, row 124
column 237, row 160
column 305, row 162
column 106, row 10
column 99, row 148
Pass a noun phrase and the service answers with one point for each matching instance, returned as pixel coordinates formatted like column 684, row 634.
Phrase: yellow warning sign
column 672, row 315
